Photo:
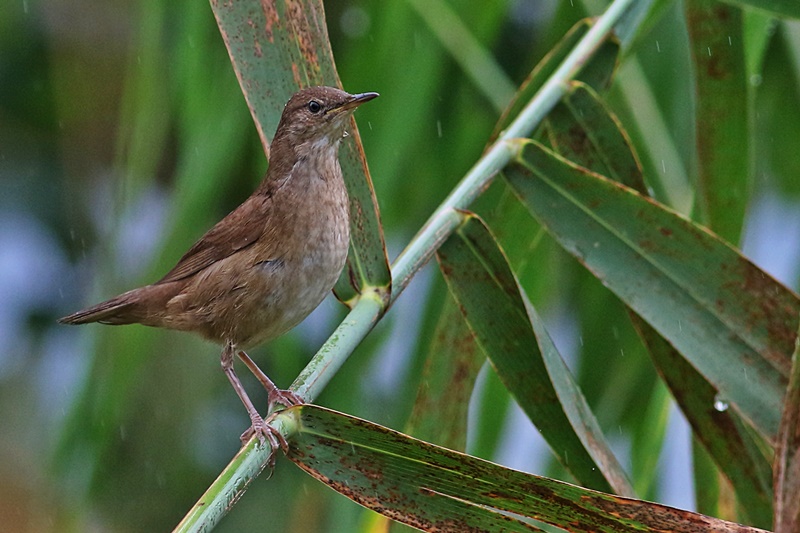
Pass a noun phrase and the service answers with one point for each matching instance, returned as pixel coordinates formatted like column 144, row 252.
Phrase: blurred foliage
column 124, row 135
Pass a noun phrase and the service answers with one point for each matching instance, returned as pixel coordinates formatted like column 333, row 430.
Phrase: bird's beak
column 354, row 101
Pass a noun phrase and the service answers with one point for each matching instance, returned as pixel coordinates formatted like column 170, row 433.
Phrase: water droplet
column 720, row 403
column 755, row 80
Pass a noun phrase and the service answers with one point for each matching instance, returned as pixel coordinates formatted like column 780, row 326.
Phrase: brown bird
column 263, row 268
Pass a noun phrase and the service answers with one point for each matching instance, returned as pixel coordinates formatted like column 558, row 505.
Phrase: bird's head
column 319, row 114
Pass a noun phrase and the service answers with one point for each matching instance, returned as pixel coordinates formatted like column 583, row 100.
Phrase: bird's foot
column 265, row 434
column 284, row 397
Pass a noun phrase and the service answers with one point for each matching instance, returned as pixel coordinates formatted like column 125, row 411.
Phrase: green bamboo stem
column 252, row 458
column 332, row 355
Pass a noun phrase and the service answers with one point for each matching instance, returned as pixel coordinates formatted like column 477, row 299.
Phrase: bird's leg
column 258, row 426
column 274, row 394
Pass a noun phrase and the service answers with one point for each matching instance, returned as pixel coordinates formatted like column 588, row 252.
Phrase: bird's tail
column 119, row 310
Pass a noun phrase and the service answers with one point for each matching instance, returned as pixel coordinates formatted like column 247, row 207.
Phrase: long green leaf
column 435, row 489
column 586, row 132
column 448, row 379
column 731, row 320
column 720, row 431
column 707, row 482
column 722, row 112
column 276, row 49
column 513, row 337
column 781, row 8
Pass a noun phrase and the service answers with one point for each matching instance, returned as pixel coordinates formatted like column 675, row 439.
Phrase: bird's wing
column 240, row 229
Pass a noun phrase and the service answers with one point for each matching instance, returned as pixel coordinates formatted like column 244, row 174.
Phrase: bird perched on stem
column 263, row 268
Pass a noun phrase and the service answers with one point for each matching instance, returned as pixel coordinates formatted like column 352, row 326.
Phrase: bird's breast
column 316, row 237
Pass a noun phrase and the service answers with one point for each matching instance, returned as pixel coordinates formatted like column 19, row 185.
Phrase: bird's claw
column 284, row 397
column 266, row 434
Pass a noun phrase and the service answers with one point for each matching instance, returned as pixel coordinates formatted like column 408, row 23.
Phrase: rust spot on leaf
column 301, row 29
column 771, row 307
column 296, row 75
column 717, row 67
column 722, row 12
column 272, row 18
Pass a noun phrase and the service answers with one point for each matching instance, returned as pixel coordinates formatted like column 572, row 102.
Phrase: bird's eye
column 314, row 106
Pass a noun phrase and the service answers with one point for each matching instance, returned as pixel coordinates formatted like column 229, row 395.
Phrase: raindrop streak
column 439, row 128
column 720, row 404
column 658, row 46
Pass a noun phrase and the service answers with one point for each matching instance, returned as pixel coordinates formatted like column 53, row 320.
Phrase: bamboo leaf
column 781, row 8
column 453, row 362
column 720, row 431
column 586, row 132
column 435, row 489
column 722, row 110
column 727, row 317
column 513, row 337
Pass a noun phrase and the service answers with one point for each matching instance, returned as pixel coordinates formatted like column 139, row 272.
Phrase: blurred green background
column 124, row 136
